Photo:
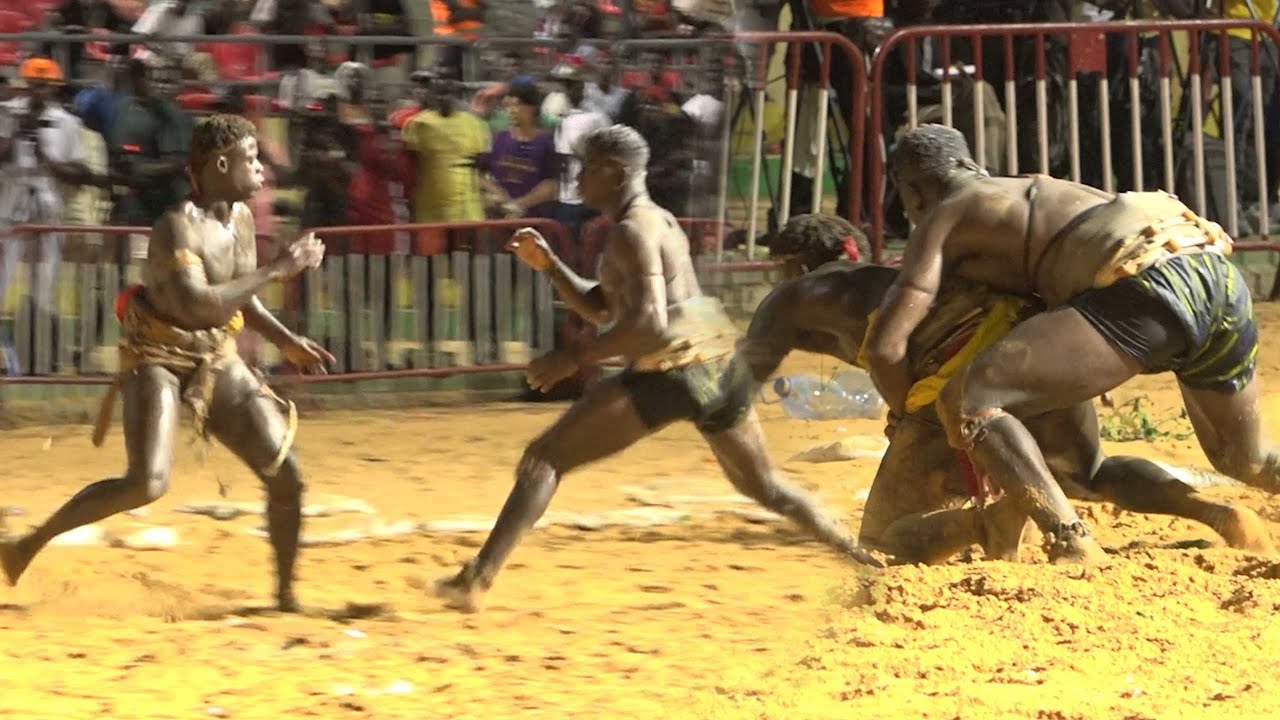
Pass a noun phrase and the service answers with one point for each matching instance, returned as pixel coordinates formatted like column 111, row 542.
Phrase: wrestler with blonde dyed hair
column 199, row 290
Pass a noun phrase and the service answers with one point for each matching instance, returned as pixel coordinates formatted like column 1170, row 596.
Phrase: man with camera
column 40, row 150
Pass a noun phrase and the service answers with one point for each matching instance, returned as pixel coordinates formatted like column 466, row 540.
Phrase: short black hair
column 930, row 152
column 620, row 143
column 818, row 236
column 526, row 91
column 216, row 135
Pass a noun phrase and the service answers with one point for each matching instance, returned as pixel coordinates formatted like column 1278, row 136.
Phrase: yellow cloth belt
column 1002, row 315
column 150, row 340
column 1185, row 233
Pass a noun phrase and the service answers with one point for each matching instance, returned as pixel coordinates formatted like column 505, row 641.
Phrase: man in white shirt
column 40, row 147
column 168, row 18
column 577, row 124
column 605, row 95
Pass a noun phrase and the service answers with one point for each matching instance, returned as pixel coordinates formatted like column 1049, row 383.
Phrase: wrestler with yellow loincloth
column 677, row 344
column 912, row 512
column 1135, row 283
column 199, row 290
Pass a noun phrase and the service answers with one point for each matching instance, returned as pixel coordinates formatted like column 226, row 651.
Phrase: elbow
column 762, row 358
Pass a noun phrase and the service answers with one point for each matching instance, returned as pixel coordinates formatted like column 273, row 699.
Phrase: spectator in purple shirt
column 519, row 173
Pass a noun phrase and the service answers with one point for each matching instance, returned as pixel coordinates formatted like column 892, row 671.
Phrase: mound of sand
column 1156, row 634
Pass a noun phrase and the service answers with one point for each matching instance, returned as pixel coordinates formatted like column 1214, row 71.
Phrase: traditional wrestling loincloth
column 696, row 376
column 945, row 349
column 194, row 356
column 1164, row 293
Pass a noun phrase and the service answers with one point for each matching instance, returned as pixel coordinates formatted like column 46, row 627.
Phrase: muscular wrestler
column 200, row 286
column 1133, row 284
column 677, row 344
column 909, row 513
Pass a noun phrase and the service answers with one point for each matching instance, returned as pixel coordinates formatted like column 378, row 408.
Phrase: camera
column 29, row 128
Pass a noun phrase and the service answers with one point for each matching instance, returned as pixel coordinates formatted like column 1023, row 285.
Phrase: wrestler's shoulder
column 176, row 223
column 643, row 220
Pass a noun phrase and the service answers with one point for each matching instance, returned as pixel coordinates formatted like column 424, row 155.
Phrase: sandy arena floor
column 714, row 615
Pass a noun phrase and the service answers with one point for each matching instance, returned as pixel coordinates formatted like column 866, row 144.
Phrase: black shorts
column 1191, row 314
column 714, row 396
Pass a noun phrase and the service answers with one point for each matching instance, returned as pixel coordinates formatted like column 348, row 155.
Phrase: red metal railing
column 431, row 244
column 1082, row 57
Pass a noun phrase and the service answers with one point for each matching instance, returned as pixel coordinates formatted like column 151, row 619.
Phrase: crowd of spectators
column 386, row 134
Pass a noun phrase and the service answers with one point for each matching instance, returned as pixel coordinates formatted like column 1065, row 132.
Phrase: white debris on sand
column 328, row 506
column 152, row 538
column 83, row 536
column 856, row 447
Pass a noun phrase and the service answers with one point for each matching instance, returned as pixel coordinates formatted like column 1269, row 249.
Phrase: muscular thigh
column 918, row 473
column 1051, row 361
column 152, row 406
column 600, row 423
column 252, row 424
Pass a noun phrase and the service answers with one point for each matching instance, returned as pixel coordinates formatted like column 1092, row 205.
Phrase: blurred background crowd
column 482, row 122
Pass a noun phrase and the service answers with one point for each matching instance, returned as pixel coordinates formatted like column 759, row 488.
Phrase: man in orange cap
column 39, row 149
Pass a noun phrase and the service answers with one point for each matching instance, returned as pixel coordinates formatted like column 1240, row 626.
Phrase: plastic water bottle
column 850, row 394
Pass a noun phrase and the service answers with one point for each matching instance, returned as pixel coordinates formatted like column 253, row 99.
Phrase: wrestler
column 677, row 344
column 909, row 512
column 199, row 290
column 1133, row 284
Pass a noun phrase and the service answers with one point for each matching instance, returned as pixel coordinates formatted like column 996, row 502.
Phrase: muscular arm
column 178, row 270
column 259, row 319
column 583, row 296
column 636, row 264
column 772, row 334
column 256, row 316
column 907, row 304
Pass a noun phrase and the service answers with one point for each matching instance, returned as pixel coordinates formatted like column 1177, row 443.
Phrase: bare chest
column 228, row 251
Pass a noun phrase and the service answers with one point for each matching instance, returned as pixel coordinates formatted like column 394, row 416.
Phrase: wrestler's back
column 186, row 235
column 991, row 244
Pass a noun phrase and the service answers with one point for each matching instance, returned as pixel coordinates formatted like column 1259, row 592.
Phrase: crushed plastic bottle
column 850, row 394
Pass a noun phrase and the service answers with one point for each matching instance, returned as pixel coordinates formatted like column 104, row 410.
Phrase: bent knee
column 540, row 455
column 286, row 480
column 148, row 485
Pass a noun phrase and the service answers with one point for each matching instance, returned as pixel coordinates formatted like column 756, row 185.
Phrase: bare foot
column 460, row 592
column 1244, row 530
column 1003, row 526
column 14, row 559
column 1073, row 545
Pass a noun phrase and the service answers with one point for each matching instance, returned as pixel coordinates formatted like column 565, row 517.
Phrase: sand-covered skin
column 712, row 616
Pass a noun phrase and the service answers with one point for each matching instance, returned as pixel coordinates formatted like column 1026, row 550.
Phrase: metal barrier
column 468, row 305
column 456, row 303
column 1079, row 51
column 432, row 312
column 746, row 55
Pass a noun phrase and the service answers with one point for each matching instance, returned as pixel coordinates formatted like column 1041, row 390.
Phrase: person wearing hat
column 519, row 174
column 576, row 124
column 40, row 149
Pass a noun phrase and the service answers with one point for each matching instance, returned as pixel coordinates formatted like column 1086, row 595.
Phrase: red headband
column 851, row 249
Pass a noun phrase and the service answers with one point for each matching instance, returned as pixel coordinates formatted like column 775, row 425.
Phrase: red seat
column 240, row 61
column 12, row 21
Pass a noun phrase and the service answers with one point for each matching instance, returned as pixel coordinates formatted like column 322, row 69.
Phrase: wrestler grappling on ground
column 912, row 512
column 1134, row 283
